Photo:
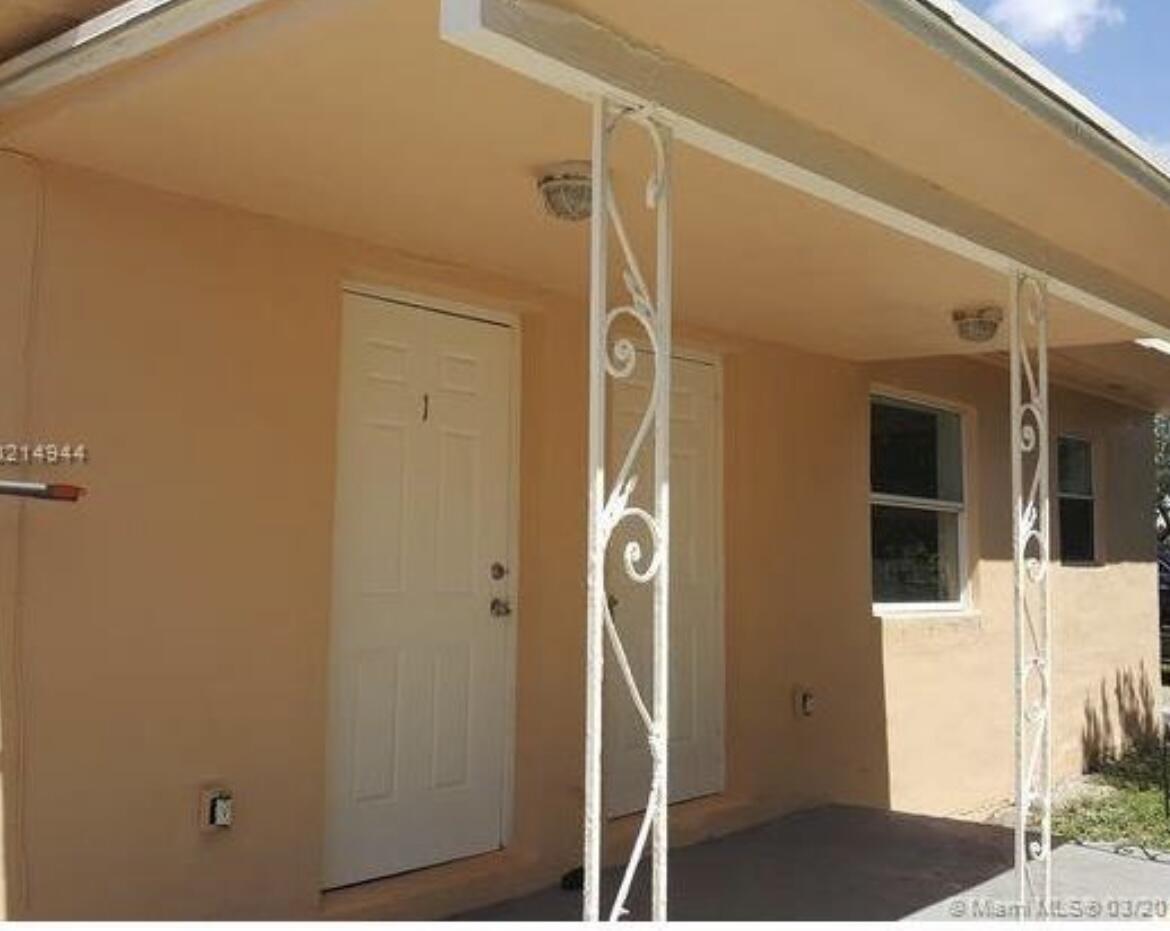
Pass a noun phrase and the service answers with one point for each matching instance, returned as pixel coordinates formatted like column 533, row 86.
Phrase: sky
column 1115, row 52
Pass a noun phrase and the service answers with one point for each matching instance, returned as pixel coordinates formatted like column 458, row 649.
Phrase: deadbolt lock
column 498, row 570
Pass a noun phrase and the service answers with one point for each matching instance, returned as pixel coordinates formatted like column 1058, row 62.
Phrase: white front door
column 696, row 631
column 420, row 663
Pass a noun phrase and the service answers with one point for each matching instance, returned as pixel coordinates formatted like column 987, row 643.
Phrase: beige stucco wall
column 173, row 627
column 19, row 194
column 949, row 682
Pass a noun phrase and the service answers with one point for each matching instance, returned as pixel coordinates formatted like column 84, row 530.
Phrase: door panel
column 696, row 687
column 419, row 668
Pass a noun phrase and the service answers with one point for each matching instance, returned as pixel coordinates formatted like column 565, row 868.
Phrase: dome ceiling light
column 566, row 190
column 979, row 324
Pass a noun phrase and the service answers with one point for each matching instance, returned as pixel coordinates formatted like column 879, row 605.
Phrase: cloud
column 1045, row 22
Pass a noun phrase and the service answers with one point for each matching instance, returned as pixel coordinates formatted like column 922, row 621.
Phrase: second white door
column 696, row 646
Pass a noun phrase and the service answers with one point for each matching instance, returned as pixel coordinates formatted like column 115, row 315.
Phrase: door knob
column 501, row 607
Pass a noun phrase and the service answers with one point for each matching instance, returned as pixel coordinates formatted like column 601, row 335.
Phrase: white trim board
column 583, row 58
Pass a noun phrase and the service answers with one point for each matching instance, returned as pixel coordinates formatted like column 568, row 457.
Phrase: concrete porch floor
column 848, row 863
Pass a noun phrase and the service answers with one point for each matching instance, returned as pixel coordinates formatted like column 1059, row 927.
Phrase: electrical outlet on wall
column 804, row 702
column 216, row 810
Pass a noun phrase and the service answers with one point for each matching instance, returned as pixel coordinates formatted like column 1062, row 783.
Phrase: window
column 1074, row 484
column 916, row 504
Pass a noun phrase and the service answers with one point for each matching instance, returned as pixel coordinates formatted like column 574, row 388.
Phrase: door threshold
column 440, row 890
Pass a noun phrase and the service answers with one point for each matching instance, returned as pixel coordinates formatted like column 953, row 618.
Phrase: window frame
column 961, row 509
column 1093, row 498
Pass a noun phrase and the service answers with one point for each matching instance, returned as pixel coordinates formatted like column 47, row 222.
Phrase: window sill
column 962, row 616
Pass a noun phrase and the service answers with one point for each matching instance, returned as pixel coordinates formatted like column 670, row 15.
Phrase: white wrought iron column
column 659, row 736
column 1031, row 548
column 613, row 354
column 595, row 559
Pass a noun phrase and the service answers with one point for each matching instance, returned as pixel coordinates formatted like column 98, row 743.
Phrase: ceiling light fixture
column 566, row 190
column 977, row 325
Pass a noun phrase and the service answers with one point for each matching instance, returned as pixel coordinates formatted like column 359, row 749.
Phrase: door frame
column 686, row 351
column 510, row 321
column 715, row 360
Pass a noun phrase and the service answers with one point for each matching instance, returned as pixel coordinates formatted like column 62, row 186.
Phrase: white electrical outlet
column 215, row 809
column 803, row 702
column 221, row 811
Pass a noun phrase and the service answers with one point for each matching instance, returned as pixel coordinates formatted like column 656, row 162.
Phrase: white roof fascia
column 124, row 33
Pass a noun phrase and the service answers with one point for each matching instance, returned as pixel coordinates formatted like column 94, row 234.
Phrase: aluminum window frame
column 961, row 509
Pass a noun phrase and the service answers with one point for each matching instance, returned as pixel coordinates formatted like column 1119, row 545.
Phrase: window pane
column 915, row 451
column 915, row 555
column 1076, row 530
column 1074, row 466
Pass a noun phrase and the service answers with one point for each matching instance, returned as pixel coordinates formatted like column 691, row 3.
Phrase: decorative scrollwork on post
column 614, row 355
column 1031, row 551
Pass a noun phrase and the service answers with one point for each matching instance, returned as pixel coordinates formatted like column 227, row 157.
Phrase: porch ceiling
column 355, row 118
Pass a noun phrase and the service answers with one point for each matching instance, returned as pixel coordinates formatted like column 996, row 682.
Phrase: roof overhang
column 121, row 34
column 757, row 259
column 568, row 51
column 136, row 27
column 966, row 39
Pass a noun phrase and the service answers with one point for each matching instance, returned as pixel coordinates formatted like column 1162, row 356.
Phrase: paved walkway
column 849, row 863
